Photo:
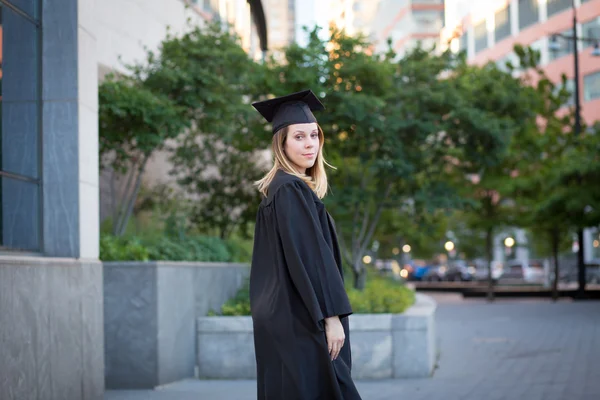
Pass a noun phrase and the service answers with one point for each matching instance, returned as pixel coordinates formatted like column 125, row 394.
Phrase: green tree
column 135, row 122
column 195, row 83
column 217, row 160
column 540, row 161
column 398, row 128
column 497, row 109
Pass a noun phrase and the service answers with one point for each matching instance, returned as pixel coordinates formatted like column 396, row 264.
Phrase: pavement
column 531, row 349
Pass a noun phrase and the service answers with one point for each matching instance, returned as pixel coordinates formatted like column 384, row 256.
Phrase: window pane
column 481, row 39
column 463, row 42
column 29, row 7
column 19, row 97
column 566, row 46
column 502, row 24
column 428, row 21
column 528, row 13
column 19, row 214
column 591, row 30
column 556, row 6
column 591, row 86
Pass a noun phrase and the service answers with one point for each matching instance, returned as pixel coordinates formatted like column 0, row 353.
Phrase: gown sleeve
column 310, row 261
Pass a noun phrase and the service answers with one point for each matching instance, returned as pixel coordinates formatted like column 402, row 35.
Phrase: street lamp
column 449, row 246
column 406, row 248
column 577, row 129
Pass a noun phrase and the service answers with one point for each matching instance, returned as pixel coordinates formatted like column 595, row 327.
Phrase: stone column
column 70, row 121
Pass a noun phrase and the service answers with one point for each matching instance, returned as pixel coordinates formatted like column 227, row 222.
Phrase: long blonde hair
column 315, row 177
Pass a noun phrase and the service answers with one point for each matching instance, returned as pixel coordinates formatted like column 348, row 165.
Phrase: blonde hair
column 315, row 177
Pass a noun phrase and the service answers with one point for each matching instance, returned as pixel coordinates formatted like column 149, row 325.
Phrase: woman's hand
column 335, row 336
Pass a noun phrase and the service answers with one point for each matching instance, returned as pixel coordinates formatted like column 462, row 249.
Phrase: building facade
column 53, row 54
column 489, row 30
column 280, row 16
column 407, row 23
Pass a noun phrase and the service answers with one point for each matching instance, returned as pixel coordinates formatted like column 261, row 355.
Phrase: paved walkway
column 509, row 350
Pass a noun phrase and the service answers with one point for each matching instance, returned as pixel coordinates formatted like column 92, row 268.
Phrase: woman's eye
column 314, row 135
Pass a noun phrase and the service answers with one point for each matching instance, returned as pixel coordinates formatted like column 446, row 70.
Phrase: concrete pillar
column 51, row 305
column 543, row 10
column 70, row 120
column 498, row 248
column 588, row 245
column 514, row 17
column 522, row 246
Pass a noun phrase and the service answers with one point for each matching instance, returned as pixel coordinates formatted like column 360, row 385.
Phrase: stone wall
column 51, row 344
column 383, row 345
column 150, row 309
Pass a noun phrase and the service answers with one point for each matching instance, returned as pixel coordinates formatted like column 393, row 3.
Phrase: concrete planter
column 150, row 310
column 383, row 345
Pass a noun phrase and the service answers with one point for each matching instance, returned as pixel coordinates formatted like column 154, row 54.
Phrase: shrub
column 239, row 304
column 381, row 295
column 166, row 248
column 114, row 248
column 240, row 249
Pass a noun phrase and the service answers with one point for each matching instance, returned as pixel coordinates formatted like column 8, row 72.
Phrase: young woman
column 299, row 306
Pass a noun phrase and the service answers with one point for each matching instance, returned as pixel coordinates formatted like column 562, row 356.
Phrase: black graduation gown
column 295, row 282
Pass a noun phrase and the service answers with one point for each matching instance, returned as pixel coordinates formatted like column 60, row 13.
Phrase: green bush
column 381, row 295
column 239, row 304
column 167, row 248
column 114, row 248
column 240, row 249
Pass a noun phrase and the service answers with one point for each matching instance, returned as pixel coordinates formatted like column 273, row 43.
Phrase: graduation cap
column 295, row 108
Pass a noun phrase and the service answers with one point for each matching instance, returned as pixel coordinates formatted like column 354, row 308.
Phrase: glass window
column 591, row 86
column 528, row 13
column 19, row 128
column 428, row 21
column 566, row 46
column 502, row 24
column 29, row 7
column 481, row 39
column 463, row 42
column 556, row 6
column 569, row 86
column 590, row 30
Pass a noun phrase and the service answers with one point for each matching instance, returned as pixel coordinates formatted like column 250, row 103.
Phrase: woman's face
column 302, row 145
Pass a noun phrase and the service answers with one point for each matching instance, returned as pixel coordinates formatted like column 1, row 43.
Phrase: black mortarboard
column 295, row 108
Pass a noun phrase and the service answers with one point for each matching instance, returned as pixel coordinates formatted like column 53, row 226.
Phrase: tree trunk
column 360, row 275
column 555, row 239
column 488, row 252
column 120, row 205
column 131, row 202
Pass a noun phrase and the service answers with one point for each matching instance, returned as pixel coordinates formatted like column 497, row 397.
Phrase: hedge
column 167, row 248
column 381, row 295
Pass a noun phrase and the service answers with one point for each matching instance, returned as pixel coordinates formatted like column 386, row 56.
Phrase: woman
column 299, row 306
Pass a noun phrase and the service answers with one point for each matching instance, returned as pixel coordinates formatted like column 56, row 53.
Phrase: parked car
column 532, row 271
column 435, row 274
column 460, row 271
column 481, row 270
column 569, row 272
